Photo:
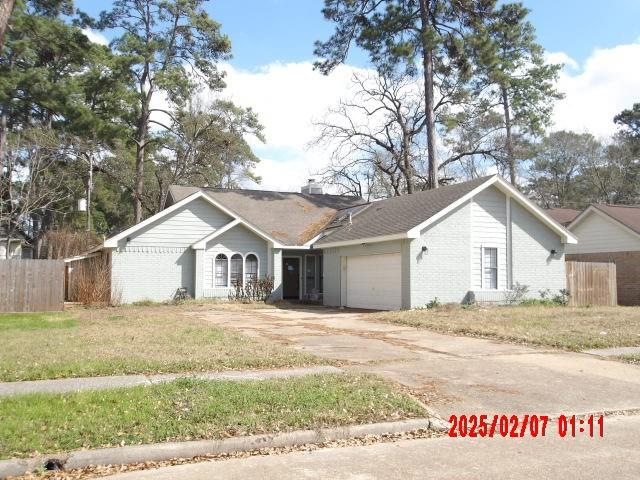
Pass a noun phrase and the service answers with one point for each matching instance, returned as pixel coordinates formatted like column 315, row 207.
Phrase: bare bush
column 90, row 281
column 254, row 291
column 65, row 243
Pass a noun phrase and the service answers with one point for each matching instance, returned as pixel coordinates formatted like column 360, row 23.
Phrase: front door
column 291, row 277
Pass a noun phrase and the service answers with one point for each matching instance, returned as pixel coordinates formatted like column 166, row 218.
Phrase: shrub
column 547, row 299
column 255, row 291
column 435, row 303
column 516, row 294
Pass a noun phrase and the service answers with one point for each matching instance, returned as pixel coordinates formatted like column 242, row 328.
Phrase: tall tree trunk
column 141, row 143
column 3, row 142
column 6, row 7
column 509, row 140
column 427, row 63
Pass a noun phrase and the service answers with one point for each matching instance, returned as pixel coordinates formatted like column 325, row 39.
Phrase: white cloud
column 95, row 37
column 606, row 84
column 287, row 98
column 561, row 57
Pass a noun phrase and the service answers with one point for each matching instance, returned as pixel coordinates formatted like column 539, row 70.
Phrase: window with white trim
column 490, row 268
column 236, row 270
column 221, row 270
column 251, row 268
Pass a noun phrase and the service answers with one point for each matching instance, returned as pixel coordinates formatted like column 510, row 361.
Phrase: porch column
column 198, row 272
column 275, row 271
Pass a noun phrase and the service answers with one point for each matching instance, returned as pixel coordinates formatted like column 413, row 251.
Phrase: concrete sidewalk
column 66, row 385
column 616, row 456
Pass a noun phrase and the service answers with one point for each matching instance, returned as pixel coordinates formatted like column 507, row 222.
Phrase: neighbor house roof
column 291, row 218
column 627, row 215
column 406, row 216
column 564, row 216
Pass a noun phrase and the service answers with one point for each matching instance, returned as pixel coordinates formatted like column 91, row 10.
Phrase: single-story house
column 611, row 233
column 19, row 245
column 465, row 242
column 564, row 216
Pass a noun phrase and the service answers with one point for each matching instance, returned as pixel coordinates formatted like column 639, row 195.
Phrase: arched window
column 251, row 268
column 221, row 269
column 236, row 270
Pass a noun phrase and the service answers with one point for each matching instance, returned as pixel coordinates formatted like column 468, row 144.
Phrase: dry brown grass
column 127, row 340
column 561, row 327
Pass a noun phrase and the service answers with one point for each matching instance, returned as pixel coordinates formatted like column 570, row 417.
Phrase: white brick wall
column 443, row 270
column 151, row 273
column 533, row 263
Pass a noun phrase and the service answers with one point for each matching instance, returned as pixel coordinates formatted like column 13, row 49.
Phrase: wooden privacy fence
column 592, row 283
column 31, row 285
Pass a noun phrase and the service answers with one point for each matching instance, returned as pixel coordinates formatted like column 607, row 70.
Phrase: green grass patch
column 560, row 327
column 194, row 409
column 36, row 321
column 130, row 340
column 635, row 358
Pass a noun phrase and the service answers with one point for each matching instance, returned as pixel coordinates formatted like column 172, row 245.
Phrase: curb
column 167, row 451
column 71, row 385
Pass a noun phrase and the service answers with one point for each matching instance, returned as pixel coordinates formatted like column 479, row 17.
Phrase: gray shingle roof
column 564, row 216
column 291, row 218
column 400, row 214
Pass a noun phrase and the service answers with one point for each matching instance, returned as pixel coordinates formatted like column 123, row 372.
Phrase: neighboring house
column 20, row 245
column 564, row 216
column 459, row 243
column 611, row 233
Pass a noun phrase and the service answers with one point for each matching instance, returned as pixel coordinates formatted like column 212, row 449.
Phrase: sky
column 271, row 70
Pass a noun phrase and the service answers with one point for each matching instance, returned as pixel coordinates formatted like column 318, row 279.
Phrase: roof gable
column 406, row 216
column 626, row 217
column 293, row 219
column 113, row 241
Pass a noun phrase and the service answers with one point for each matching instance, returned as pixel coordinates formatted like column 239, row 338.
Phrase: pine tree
column 170, row 45
column 437, row 34
column 524, row 86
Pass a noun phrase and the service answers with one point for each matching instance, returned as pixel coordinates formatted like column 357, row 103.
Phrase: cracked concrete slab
column 351, row 348
column 455, row 374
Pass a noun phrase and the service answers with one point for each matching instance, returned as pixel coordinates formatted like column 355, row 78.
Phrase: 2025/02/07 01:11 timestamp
column 519, row 426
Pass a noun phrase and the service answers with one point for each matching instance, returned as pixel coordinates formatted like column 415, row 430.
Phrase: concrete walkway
column 66, row 385
column 452, row 374
column 614, row 352
column 616, row 456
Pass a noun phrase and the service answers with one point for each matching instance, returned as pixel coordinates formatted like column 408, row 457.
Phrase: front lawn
column 128, row 340
column 561, row 327
column 194, row 409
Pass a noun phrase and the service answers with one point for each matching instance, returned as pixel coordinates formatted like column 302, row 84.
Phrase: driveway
column 452, row 375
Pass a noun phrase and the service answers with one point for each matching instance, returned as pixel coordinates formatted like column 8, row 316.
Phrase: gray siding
column 596, row 233
column 151, row 273
column 332, row 265
column 489, row 229
column 237, row 240
column 533, row 263
column 181, row 228
column 443, row 270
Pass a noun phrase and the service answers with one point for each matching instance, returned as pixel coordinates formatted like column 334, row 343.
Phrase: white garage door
column 373, row 281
